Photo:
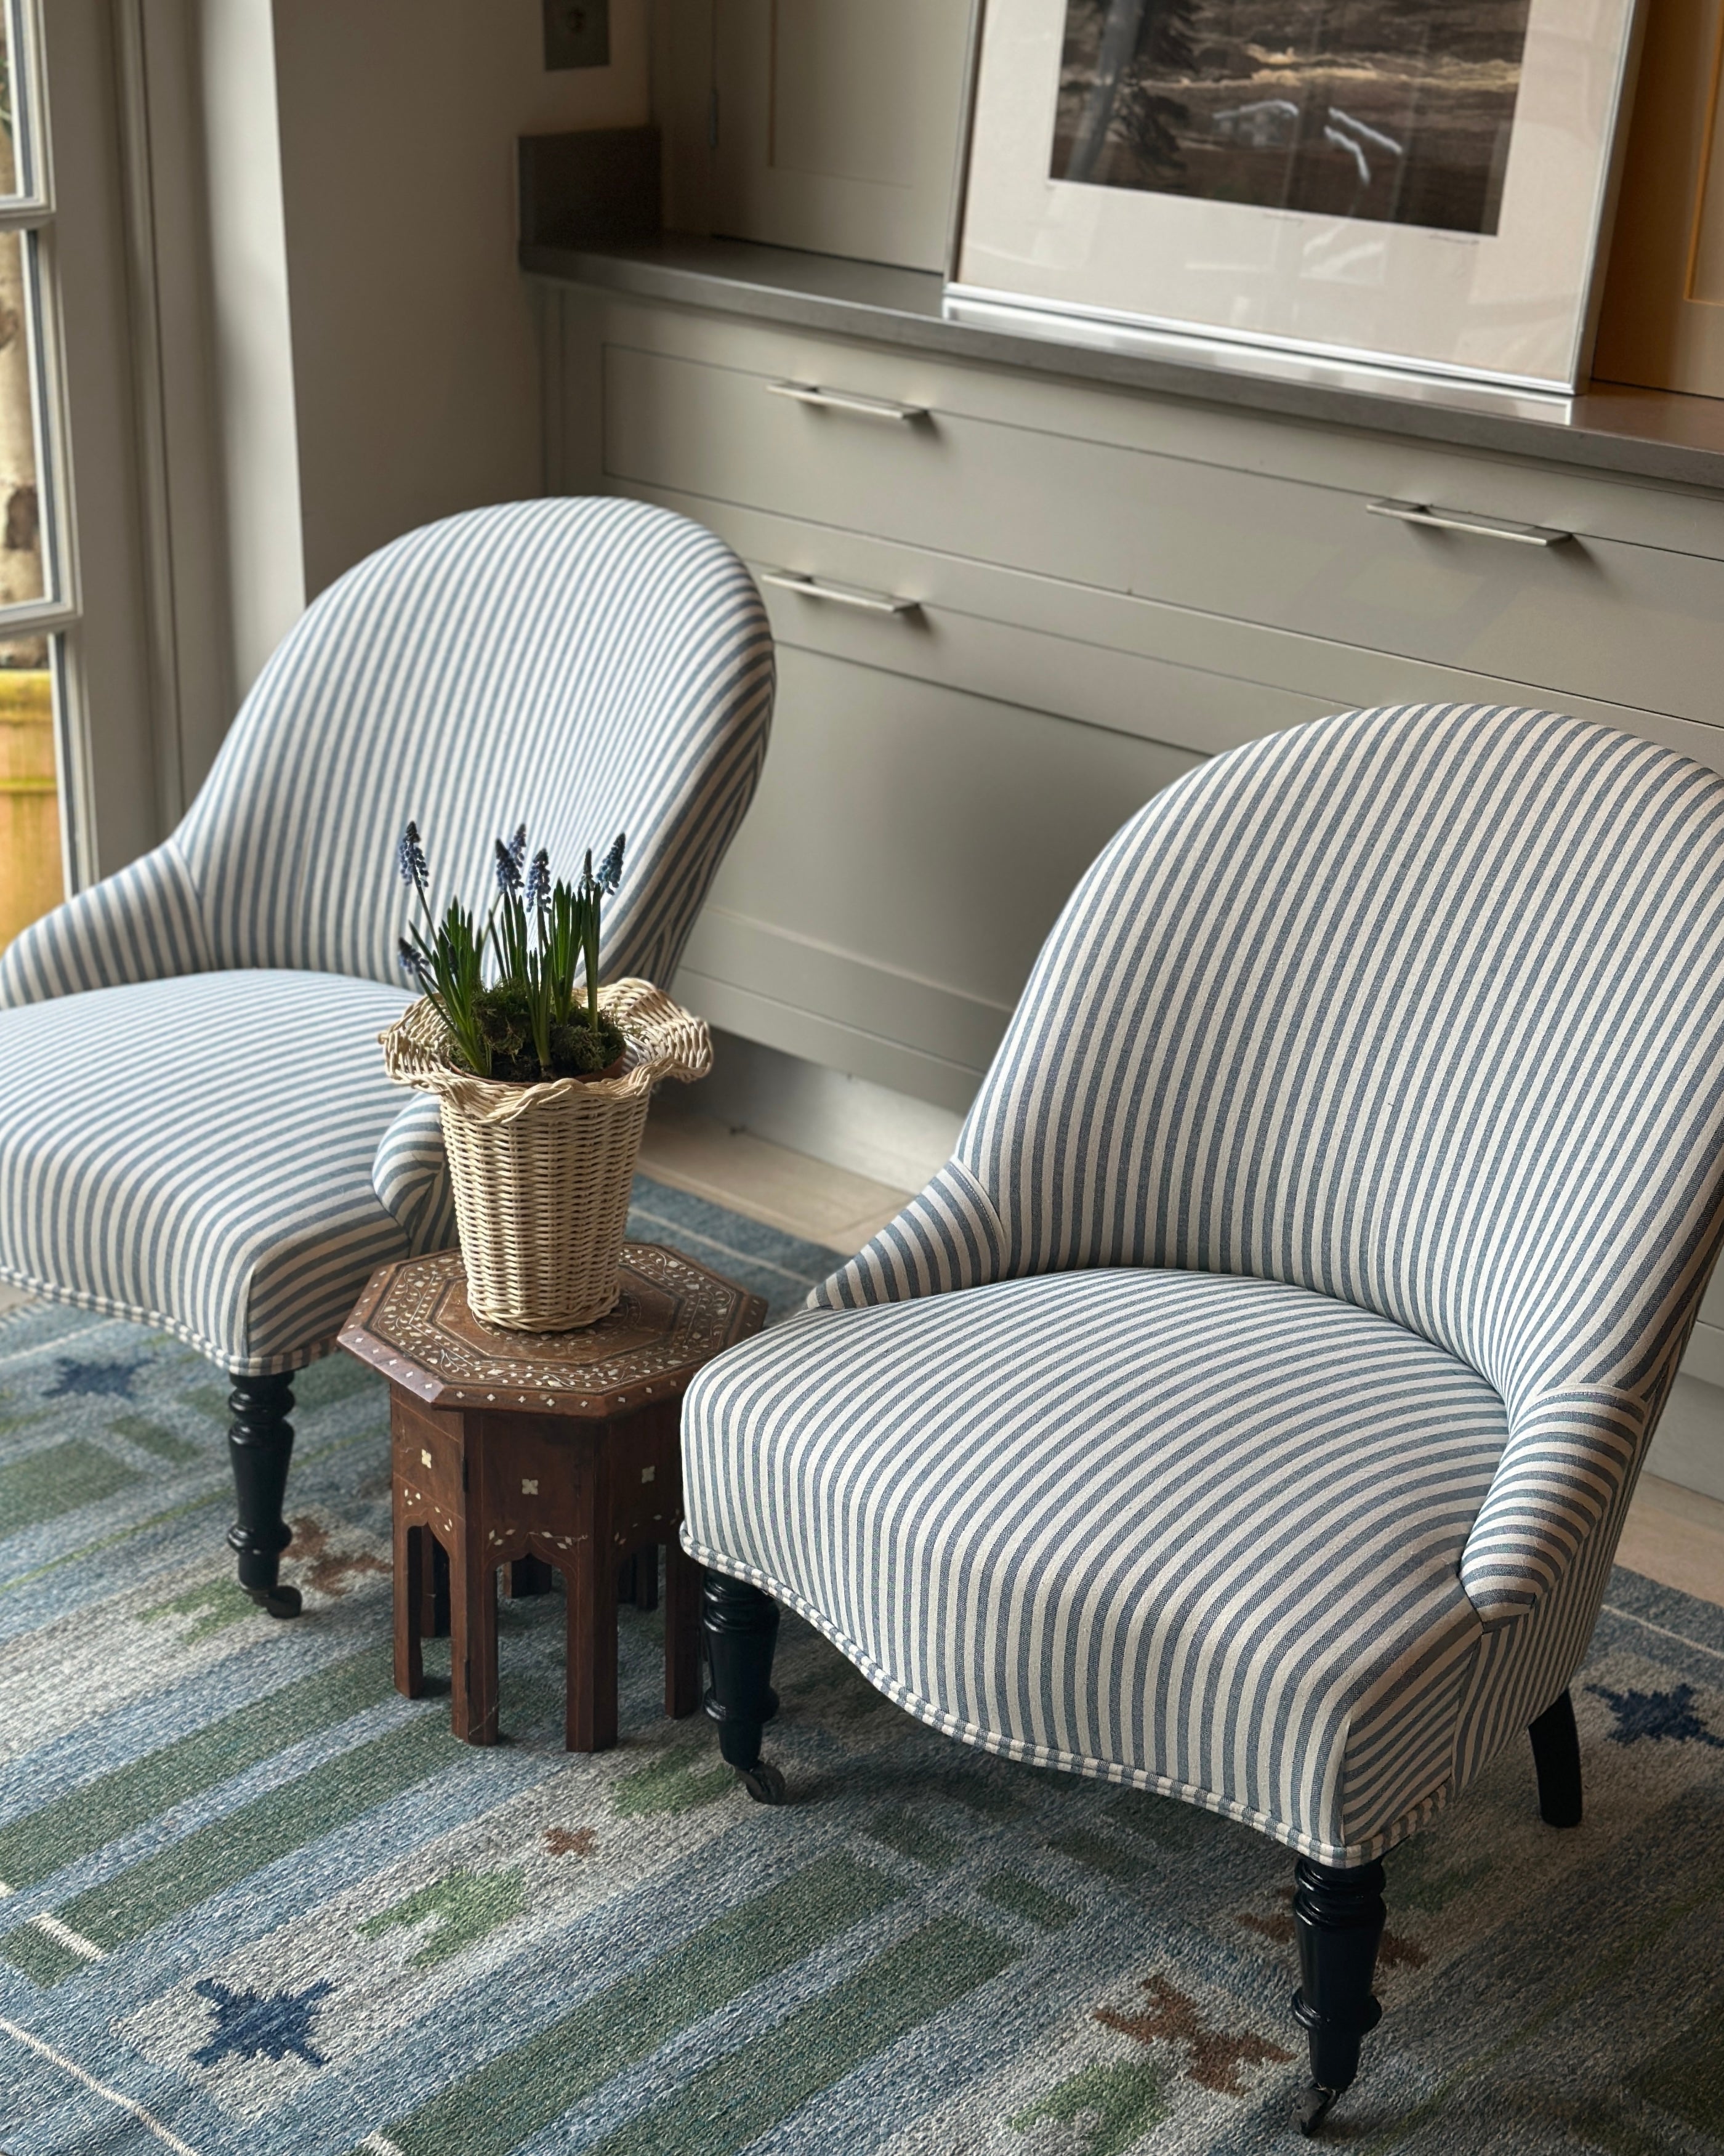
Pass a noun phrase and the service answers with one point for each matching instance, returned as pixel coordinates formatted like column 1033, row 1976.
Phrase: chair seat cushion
column 197, row 1154
column 1195, row 1532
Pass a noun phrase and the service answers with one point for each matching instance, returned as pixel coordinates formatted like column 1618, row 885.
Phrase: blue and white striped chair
column 195, row 1128
column 1248, row 1411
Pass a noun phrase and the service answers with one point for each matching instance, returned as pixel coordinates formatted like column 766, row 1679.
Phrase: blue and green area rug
column 257, row 1905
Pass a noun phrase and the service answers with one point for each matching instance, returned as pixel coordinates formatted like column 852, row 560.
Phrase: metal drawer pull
column 844, row 400
column 1462, row 520
column 850, row 595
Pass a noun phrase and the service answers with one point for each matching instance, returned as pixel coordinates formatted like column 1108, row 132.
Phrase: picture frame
column 1419, row 186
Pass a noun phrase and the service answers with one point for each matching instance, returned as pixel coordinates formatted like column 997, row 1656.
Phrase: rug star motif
column 252, row 2025
column 326, row 1569
column 1656, row 1714
column 571, row 1841
column 1213, row 2057
column 78, row 1377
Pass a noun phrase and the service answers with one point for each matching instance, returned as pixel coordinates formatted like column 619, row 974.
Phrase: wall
column 415, row 370
column 257, row 451
column 852, row 1123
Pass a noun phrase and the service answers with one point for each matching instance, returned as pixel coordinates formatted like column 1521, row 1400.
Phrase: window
column 37, row 604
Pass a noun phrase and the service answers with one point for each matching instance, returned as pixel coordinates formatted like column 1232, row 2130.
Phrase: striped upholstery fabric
column 591, row 666
column 224, row 1190
column 1248, row 1410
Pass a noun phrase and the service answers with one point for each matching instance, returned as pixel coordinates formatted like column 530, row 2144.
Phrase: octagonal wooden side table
column 559, row 1447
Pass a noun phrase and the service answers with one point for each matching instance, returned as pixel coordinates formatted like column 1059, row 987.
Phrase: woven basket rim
column 663, row 1041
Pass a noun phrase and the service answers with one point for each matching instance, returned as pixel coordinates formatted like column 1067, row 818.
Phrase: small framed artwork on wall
column 1425, row 184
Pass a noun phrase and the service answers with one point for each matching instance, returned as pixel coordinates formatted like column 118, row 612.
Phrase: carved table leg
column 592, row 1581
column 741, row 1627
column 473, row 1607
column 473, row 1659
column 682, row 1630
column 1338, row 1916
column 409, row 1605
column 259, row 1446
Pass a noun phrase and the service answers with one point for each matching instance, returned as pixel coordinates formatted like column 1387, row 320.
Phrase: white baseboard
column 848, row 1121
column 1689, row 1448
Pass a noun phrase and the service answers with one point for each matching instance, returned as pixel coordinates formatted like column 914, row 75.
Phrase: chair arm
column 409, row 1172
column 1568, row 1459
column 950, row 1236
column 142, row 924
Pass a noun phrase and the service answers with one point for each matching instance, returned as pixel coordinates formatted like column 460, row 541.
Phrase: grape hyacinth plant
column 531, row 1023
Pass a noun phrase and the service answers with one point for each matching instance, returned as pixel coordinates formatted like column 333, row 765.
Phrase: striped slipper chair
column 1247, row 1412
column 196, row 1132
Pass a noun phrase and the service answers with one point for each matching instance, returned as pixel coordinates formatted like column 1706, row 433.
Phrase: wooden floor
column 1673, row 1535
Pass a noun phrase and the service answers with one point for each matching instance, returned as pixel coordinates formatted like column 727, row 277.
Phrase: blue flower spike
column 519, row 965
column 410, row 858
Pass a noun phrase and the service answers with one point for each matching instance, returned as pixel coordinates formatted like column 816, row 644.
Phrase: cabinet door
column 910, row 847
column 1662, row 323
column 836, row 125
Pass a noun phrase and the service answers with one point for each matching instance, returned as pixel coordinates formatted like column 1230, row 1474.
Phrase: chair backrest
column 586, row 666
column 1422, row 1009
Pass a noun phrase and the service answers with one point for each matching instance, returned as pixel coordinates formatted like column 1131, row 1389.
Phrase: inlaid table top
column 412, row 1323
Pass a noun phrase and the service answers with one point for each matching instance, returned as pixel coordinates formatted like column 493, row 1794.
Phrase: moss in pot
column 530, row 1024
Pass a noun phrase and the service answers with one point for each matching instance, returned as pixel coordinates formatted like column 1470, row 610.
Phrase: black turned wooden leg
column 1338, row 1916
column 1556, row 1754
column 742, row 1629
column 260, row 1445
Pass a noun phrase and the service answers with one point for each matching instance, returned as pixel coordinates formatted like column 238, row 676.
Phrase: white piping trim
column 63, row 1935
column 99, row 2088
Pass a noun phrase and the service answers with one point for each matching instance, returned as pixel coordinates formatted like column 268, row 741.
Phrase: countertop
column 1639, row 433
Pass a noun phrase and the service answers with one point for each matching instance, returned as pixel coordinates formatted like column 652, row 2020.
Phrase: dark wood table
column 557, row 1449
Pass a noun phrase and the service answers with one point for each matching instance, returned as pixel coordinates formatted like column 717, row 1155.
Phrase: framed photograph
column 1421, row 183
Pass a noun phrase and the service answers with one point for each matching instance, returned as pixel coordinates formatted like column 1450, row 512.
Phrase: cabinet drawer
column 1190, row 680
column 1598, row 616
column 941, row 776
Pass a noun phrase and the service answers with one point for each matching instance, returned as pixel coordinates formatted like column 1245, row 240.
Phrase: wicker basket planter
column 542, row 1173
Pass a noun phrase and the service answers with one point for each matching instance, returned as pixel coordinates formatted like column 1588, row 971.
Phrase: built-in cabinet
column 837, row 125
column 834, row 124
column 1010, row 606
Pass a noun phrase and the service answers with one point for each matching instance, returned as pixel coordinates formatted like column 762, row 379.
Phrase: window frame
column 57, row 613
column 31, row 216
